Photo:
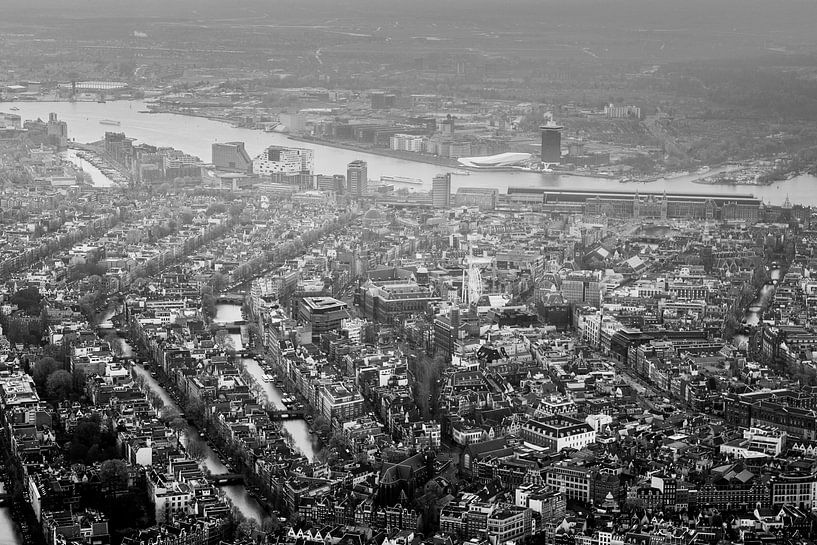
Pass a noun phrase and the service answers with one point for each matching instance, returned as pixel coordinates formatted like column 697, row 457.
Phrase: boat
column 14, row 109
column 461, row 172
column 401, row 180
column 110, row 122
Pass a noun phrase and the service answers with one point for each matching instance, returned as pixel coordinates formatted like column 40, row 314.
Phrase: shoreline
column 407, row 156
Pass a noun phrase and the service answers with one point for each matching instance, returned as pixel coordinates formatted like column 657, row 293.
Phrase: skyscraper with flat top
column 441, row 191
column 357, row 177
column 551, row 143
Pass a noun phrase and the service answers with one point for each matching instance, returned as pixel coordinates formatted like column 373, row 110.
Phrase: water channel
column 237, row 493
column 9, row 534
column 755, row 310
column 302, row 440
column 195, row 135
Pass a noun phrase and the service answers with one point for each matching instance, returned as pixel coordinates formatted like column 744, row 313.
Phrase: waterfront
column 195, row 135
column 302, row 440
column 98, row 177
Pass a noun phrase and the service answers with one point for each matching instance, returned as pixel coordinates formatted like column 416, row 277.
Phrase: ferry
column 14, row 109
column 110, row 122
column 401, row 180
column 461, row 172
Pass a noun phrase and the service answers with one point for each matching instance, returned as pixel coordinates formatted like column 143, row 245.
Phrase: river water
column 195, row 135
column 302, row 440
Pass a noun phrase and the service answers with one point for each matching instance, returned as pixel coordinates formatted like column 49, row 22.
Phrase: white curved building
column 501, row 160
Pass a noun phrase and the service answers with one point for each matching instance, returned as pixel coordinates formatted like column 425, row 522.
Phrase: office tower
column 551, row 143
column 357, row 177
column 283, row 160
column 441, row 191
column 231, row 156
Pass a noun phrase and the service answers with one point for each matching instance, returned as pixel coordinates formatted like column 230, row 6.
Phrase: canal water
column 98, row 178
column 195, row 135
column 237, row 494
column 9, row 534
column 302, row 440
column 755, row 310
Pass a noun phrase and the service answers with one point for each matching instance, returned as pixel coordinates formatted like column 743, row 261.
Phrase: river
column 302, row 440
column 195, row 135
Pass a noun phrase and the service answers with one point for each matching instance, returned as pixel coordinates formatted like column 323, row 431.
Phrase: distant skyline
column 786, row 22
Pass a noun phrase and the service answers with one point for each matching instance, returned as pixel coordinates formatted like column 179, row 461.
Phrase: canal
column 754, row 312
column 9, row 533
column 237, row 494
column 302, row 440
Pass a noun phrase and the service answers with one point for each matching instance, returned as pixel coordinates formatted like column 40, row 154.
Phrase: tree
column 195, row 448
column 168, row 413
column 247, row 528
column 59, row 385
column 43, row 368
column 219, row 282
column 208, row 302
column 114, row 474
column 178, row 425
column 27, row 300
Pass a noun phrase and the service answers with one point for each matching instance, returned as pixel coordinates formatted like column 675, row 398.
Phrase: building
column 336, row 183
column 68, row 527
column 482, row 197
column 508, row 523
column 17, row 390
column 57, row 132
column 623, row 204
column 551, row 143
column 338, row 402
column 357, row 177
column 622, row 112
column 573, row 481
column 441, row 191
column 278, row 159
column 231, row 156
column 582, row 288
column 407, row 142
column 387, row 301
column 558, row 432
column 324, row 314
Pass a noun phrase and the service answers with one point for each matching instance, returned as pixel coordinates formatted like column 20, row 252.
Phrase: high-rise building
column 57, row 132
column 231, row 156
column 551, row 143
column 357, row 177
column 283, row 160
column 441, row 191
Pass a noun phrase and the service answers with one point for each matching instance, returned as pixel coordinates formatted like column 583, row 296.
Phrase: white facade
column 407, row 142
column 277, row 159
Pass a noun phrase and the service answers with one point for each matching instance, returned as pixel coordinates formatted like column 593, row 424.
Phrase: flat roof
column 579, row 194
